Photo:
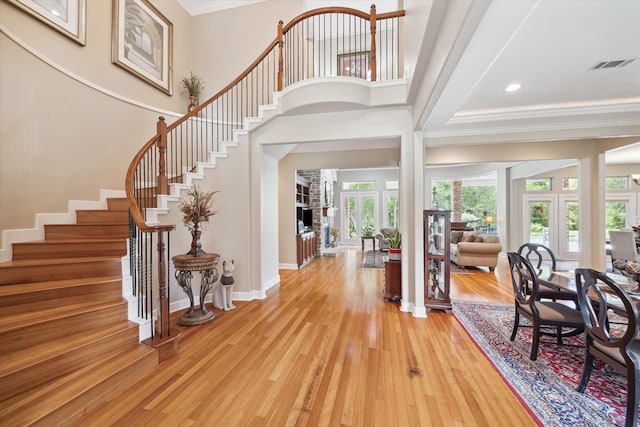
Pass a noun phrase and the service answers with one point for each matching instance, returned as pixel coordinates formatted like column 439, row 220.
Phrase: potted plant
column 395, row 243
column 193, row 85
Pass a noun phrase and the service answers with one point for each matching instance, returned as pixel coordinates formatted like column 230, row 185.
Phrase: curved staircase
column 66, row 342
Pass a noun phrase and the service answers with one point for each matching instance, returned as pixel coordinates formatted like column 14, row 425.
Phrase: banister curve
column 224, row 90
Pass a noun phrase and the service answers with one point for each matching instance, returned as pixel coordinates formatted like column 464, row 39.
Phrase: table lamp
column 489, row 221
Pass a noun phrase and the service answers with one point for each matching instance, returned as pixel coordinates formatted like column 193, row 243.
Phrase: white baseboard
column 288, row 266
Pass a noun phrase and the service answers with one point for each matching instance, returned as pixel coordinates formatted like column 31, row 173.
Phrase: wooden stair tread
column 35, row 405
column 21, row 288
column 56, row 261
column 67, row 241
column 35, row 354
column 16, row 321
column 122, row 209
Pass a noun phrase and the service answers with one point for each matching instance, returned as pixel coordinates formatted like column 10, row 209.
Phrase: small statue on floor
column 222, row 293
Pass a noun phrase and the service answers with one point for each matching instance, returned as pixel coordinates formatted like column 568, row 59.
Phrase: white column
column 503, row 201
column 591, row 175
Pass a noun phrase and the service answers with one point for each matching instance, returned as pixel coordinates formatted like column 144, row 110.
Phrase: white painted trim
column 479, row 116
column 419, row 311
column 534, row 128
column 270, row 283
column 407, row 307
column 284, row 266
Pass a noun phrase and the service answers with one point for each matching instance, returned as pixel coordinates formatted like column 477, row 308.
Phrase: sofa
column 475, row 249
column 383, row 237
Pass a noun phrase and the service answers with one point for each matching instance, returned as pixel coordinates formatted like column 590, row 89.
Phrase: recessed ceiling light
column 512, row 87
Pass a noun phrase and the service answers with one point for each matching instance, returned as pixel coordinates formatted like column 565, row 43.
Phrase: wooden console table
column 185, row 265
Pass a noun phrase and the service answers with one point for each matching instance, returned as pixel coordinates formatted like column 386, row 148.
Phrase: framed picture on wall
column 143, row 42
column 354, row 64
column 68, row 17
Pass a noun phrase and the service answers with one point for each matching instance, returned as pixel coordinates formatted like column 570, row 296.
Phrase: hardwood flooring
column 325, row 350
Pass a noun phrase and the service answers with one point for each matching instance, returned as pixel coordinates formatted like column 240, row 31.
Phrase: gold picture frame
column 69, row 17
column 354, row 64
column 143, row 42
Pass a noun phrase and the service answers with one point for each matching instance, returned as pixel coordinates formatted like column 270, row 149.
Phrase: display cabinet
column 392, row 280
column 437, row 259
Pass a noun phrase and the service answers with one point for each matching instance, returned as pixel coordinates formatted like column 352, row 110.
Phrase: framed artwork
column 69, row 17
column 143, row 42
column 354, row 64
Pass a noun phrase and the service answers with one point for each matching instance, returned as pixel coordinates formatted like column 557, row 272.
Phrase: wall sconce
column 635, row 177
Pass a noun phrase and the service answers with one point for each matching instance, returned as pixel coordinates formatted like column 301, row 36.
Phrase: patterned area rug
column 373, row 259
column 548, row 385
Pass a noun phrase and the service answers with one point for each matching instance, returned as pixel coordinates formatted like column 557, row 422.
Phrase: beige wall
column 228, row 41
column 61, row 139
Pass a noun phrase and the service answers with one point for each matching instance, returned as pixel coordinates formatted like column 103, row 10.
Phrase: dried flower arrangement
column 197, row 208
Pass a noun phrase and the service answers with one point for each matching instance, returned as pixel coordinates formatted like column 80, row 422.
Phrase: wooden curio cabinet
column 437, row 259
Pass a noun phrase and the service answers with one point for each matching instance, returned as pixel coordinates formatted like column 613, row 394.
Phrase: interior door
column 359, row 215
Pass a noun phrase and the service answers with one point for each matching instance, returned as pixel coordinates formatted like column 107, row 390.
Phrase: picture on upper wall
column 143, row 42
column 354, row 65
column 68, row 17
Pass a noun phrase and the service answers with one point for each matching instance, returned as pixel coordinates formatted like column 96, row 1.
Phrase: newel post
column 163, row 184
column 373, row 22
column 164, row 328
column 280, row 60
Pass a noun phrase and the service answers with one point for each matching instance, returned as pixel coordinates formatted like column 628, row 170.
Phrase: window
column 615, row 183
column 543, row 184
column 616, row 215
column 391, row 185
column 569, row 184
column 361, row 185
column 390, row 207
column 441, row 194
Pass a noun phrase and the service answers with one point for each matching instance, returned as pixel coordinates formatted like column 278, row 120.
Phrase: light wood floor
column 324, row 349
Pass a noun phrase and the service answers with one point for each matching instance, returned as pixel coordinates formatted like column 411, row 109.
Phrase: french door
column 539, row 220
column 359, row 215
column 569, row 237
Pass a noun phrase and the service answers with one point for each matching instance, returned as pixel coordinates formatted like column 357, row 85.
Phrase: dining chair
column 540, row 256
column 624, row 254
column 615, row 344
column 542, row 314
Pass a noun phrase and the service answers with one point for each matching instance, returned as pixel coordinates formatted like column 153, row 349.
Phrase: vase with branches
column 193, row 85
column 196, row 210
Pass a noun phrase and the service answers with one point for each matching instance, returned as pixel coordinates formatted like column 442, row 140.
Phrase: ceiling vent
column 618, row 63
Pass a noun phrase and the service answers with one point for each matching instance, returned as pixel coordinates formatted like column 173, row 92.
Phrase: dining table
column 566, row 281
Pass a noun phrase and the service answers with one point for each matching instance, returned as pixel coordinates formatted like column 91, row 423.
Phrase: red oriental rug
column 548, row 385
